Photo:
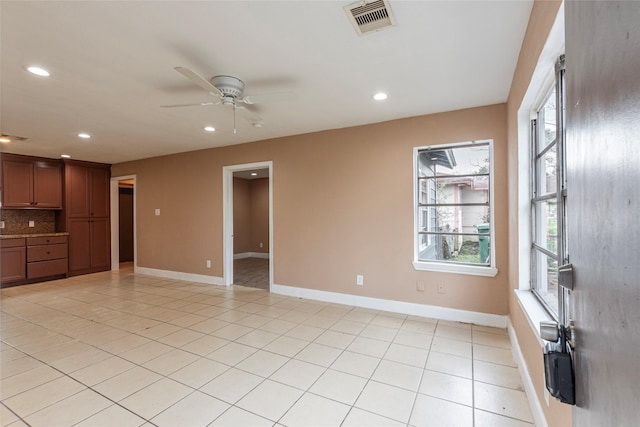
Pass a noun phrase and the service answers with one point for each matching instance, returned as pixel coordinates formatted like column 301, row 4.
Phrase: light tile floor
column 118, row 349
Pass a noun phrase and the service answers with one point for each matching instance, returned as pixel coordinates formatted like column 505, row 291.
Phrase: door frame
column 227, row 216
column 115, row 222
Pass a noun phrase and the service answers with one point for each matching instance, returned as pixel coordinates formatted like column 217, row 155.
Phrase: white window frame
column 451, row 267
column 561, row 255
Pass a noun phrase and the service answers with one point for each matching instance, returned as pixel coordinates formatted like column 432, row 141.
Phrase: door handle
column 549, row 330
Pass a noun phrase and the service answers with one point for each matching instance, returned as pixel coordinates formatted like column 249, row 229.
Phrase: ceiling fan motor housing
column 228, row 85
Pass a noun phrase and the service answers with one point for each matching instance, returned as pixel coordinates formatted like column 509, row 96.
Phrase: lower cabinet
column 47, row 256
column 25, row 260
column 13, row 260
column 89, row 245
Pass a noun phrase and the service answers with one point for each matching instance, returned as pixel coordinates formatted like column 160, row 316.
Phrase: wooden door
column 77, row 191
column 100, row 244
column 47, row 185
column 125, row 219
column 13, row 264
column 79, row 245
column 99, row 192
column 17, row 184
column 603, row 172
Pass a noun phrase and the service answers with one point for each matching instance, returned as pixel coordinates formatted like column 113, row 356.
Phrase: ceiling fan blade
column 199, row 104
column 265, row 98
column 249, row 115
column 199, row 80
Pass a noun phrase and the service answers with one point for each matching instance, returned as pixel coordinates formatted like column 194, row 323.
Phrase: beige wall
column 250, row 215
column 343, row 205
column 543, row 14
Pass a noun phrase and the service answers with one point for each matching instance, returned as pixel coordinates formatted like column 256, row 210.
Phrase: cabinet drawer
column 33, row 241
column 46, row 252
column 47, row 268
column 11, row 243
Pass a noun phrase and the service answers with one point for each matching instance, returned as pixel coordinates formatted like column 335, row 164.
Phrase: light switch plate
column 157, row 212
column 32, row 223
column 1, row 224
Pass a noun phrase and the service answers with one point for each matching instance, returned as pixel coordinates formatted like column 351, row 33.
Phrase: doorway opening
column 248, row 225
column 123, row 223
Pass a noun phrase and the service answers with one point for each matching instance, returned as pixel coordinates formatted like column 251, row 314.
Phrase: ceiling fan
column 228, row 91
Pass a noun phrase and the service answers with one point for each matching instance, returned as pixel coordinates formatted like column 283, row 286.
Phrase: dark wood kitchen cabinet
column 31, row 182
column 13, row 260
column 87, row 216
column 47, row 256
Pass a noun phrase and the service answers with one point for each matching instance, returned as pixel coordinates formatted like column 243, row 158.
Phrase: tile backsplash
column 16, row 221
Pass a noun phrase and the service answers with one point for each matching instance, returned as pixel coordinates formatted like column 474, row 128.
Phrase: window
column 548, row 195
column 453, row 193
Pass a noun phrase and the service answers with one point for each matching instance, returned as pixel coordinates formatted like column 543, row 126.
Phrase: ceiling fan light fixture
column 38, row 71
column 380, row 96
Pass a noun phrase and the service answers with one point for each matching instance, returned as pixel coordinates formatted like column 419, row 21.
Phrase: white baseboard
column 423, row 310
column 534, row 403
column 243, row 255
column 178, row 275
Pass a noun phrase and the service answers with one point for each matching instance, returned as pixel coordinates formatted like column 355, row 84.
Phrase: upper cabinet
column 87, row 190
column 31, row 182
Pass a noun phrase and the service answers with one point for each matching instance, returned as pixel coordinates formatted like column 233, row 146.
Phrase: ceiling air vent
column 8, row 138
column 368, row 16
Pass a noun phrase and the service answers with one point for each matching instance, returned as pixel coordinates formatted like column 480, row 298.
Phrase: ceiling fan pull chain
column 234, row 118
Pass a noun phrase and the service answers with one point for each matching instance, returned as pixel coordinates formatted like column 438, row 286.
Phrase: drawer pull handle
column 48, row 253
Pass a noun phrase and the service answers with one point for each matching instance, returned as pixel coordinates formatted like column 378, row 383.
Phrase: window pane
column 455, row 161
column 546, row 279
column 460, row 219
column 546, row 225
column 546, row 172
column 547, row 116
column 462, row 249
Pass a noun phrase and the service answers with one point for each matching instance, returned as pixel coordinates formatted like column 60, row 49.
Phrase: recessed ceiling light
column 84, row 135
column 254, row 174
column 209, row 128
column 5, row 139
column 38, row 71
column 380, row 96
column 65, row 156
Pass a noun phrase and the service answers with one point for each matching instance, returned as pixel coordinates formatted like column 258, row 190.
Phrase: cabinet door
column 77, row 191
column 79, row 245
column 100, row 244
column 99, row 192
column 13, row 264
column 17, row 184
column 47, row 185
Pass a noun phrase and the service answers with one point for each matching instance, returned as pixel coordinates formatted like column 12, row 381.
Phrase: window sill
column 455, row 268
column 533, row 311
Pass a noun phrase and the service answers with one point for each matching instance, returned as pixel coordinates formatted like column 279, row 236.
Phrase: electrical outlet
column 359, row 280
column 1, row 224
column 260, row 244
column 440, row 288
column 208, row 263
column 32, row 223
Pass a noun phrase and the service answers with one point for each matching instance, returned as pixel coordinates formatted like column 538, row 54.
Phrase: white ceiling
column 111, row 66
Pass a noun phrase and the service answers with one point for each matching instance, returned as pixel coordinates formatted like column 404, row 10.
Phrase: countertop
column 19, row 236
